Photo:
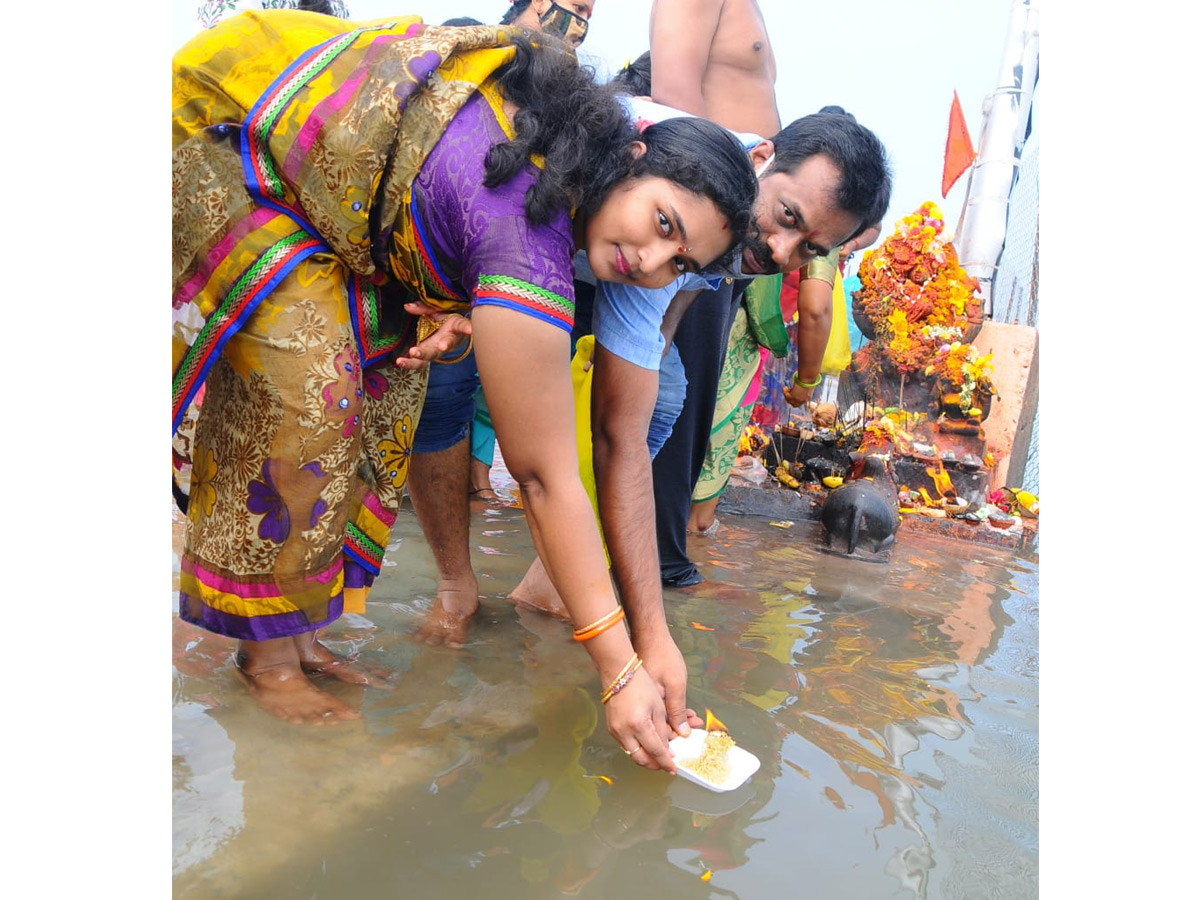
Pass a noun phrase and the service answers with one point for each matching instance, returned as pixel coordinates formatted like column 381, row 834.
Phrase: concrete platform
column 779, row 503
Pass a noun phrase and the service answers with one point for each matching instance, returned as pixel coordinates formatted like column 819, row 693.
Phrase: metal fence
column 1015, row 291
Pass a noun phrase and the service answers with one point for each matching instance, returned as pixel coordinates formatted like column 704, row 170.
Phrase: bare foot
column 702, row 518
column 537, row 593
column 317, row 659
column 486, row 494
column 283, row 690
column 449, row 618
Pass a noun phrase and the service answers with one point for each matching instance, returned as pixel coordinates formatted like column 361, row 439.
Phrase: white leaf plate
column 742, row 763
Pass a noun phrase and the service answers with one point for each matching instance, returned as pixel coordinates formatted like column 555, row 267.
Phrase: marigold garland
column 920, row 302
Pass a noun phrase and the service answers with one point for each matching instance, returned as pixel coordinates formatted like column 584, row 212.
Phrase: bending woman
column 331, row 180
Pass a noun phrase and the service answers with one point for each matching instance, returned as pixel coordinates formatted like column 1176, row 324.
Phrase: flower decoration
column 915, row 293
column 265, row 500
column 963, row 369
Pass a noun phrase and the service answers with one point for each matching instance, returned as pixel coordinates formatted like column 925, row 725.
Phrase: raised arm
column 681, row 37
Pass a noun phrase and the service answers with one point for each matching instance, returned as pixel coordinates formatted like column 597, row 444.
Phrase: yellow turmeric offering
column 713, row 762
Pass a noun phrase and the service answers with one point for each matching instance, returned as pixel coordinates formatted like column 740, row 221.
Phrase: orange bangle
column 623, row 679
column 600, row 626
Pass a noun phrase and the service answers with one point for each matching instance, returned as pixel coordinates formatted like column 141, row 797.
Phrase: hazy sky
column 894, row 65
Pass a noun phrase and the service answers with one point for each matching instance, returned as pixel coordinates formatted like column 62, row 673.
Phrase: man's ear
column 761, row 153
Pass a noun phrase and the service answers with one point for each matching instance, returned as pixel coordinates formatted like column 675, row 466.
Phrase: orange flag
column 959, row 152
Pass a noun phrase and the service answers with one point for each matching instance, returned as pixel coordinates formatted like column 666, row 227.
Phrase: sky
column 894, row 65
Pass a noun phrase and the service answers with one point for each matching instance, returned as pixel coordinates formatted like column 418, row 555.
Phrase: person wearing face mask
column 567, row 21
column 344, row 194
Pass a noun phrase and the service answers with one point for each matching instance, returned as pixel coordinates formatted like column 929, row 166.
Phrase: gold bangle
column 622, row 679
column 600, row 626
column 461, row 356
column 805, row 384
column 624, row 671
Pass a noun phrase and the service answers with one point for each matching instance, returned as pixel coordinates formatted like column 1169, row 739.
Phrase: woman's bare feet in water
column 271, row 672
column 537, row 593
column 702, row 518
column 450, row 616
column 317, row 659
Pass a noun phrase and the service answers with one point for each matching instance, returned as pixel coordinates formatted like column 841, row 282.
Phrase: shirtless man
column 711, row 58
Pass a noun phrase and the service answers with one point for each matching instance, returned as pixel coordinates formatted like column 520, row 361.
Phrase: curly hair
column 585, row 136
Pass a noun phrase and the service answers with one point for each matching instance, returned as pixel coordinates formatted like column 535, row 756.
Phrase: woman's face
column 649, row 231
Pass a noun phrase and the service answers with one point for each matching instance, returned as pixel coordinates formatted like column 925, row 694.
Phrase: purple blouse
column 478, row 244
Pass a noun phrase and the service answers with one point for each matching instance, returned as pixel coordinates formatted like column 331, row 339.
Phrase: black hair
column 517, row 7
column 462, row 20
column 707, row 160
column 326, row 7
column 836, row 110
column 634, row 77
column 865, row 188
column 585, row 136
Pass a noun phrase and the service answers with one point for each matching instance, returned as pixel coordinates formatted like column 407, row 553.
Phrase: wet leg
column 481, row 482
column 536, row 592
column 703, row 517
column 272, row 673
column 437, row 486
column 317, row 659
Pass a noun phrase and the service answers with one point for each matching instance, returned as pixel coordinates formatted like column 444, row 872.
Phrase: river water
column 894, row 709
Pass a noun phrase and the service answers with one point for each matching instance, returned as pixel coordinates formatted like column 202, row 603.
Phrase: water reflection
column 894, row 709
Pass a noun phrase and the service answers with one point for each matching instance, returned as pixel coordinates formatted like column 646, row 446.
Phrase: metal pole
column 984, row 219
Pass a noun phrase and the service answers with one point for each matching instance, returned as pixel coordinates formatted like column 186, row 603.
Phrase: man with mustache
column 822, row 180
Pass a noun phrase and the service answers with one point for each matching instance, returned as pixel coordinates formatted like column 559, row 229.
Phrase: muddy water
column 894, row 709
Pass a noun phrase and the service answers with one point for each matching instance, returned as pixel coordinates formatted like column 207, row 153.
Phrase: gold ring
column 631, row 752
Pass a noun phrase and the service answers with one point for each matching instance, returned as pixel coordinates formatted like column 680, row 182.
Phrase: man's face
column 797, row 215
column 568, row 21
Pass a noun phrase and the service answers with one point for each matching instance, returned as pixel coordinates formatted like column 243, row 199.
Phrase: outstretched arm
column 623, row 397
column 681, row 36
column 624, row 393
column 523, row 366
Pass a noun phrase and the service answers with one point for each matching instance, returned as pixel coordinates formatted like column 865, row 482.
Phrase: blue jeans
column 672, row 389
column 449, row 405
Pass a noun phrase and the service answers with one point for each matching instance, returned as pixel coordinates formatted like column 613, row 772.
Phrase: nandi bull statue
column 863, row 509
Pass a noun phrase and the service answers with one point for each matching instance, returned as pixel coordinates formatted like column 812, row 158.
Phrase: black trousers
column 701, row 338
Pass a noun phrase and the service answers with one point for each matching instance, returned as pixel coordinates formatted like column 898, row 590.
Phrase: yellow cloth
column 837, row 351
column 581, row 381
